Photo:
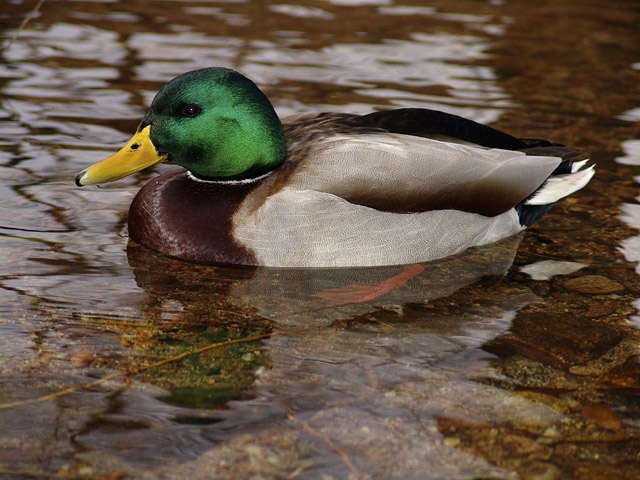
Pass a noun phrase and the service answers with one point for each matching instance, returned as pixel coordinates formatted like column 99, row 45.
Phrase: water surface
column 515, row 360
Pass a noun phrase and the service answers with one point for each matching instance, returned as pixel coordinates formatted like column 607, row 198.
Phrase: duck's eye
column 191, row 110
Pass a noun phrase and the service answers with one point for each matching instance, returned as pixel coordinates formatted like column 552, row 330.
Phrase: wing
column 405, row 173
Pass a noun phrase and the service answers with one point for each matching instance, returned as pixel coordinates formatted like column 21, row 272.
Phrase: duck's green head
column 214, row 122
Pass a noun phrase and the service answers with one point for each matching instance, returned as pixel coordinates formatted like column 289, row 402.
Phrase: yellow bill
column 137, row 154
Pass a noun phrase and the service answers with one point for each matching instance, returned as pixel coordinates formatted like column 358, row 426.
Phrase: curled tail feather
column 555, row 188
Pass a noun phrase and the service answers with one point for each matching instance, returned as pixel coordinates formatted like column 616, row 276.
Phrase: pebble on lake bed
column 595, row 284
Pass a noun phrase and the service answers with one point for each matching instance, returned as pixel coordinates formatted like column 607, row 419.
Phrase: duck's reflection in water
column 367, row 377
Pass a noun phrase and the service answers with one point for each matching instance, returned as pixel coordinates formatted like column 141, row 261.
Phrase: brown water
column 487, row 365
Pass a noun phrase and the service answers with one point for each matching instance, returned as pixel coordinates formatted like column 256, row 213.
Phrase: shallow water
column 516, row 360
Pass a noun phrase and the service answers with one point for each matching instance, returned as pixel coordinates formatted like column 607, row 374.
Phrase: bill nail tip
column 79, row 178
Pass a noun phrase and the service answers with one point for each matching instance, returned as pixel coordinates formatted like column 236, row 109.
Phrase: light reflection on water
column 384, row 379
column 630, row 247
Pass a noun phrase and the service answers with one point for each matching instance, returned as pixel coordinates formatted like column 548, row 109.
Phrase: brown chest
column 178, row 216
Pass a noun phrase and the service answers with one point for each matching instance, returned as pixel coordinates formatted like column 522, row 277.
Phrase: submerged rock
column 594, row 284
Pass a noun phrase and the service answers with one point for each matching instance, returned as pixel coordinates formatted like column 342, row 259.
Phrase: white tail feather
column 561, row 186
column 577, row 166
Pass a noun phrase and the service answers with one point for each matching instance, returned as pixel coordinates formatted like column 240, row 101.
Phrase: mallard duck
column 328, row 189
